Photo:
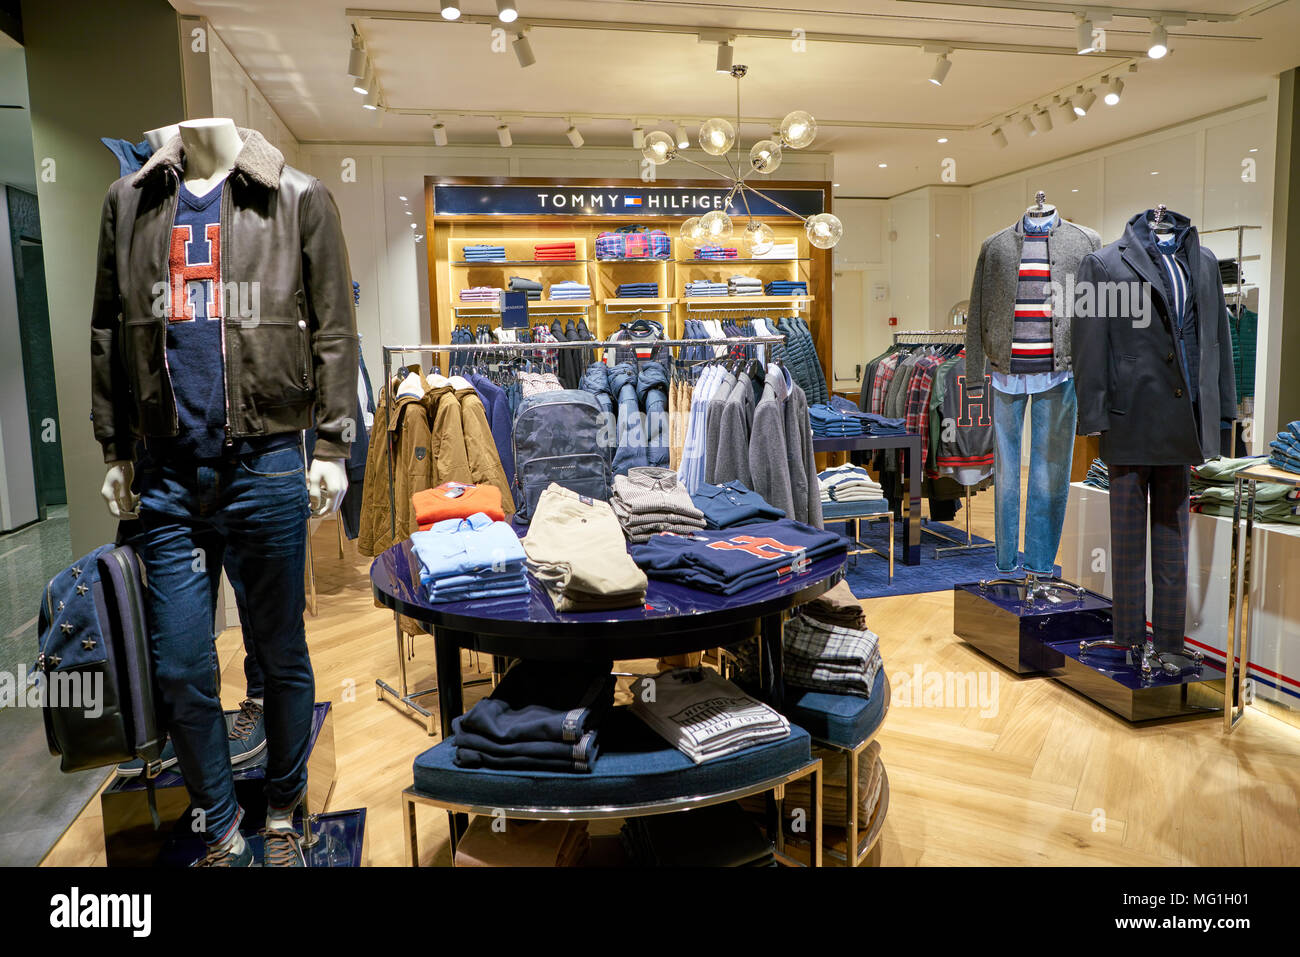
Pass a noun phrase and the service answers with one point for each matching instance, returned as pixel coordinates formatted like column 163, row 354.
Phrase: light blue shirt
column 466, row 546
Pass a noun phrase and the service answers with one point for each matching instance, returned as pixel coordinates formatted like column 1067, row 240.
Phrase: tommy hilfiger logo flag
column 632, row 201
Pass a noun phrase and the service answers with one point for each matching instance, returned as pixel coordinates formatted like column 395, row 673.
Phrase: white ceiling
column 295, row 50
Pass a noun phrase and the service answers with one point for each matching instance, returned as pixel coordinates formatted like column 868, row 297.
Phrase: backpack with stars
column 93, row 667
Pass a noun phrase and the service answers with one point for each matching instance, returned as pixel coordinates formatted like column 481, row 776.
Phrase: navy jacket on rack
column 1128, row 377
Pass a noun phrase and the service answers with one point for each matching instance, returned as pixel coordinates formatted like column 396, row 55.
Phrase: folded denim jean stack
column 704, row 287
column 721, row 835
column 1098, row 475
column 781, row 287
column 480, row 294
column 482, row 253
column 576, row 549
column 744, row 286
column 555, row 252
column 732, row 504
column 849, row 483
column 703, row 715
column 456, row 500
column 463, row 559
column 716, row 252
column 831, row 422
column 822, row 657
column 1213, row 491
column 543, row 716
column 1286, row 449
column 650, row 500
column 531, row 287
column 727, row 561
column 570, row 290
column 637, row 290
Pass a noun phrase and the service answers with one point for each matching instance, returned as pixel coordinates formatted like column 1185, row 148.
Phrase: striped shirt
column 1031, row 334
column 1186, row 335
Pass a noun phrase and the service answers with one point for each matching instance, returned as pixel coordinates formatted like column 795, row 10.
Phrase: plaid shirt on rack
column 917, row 419
column 880, row 385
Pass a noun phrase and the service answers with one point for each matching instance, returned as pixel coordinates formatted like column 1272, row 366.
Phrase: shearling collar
column 258, row 159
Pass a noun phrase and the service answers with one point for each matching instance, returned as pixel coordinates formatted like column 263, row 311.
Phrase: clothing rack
column 785, row 307
column 921, row 337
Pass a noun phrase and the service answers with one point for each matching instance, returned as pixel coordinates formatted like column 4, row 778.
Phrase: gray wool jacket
column 993, row 295
column 780, row 452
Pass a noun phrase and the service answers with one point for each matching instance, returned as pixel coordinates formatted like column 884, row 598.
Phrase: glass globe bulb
column 798, row 129
column 765, row 156
column 824, row 230
column 691, row 231
column 716, row 225
column 759, row 238
column 716, row 136
column 659, row 147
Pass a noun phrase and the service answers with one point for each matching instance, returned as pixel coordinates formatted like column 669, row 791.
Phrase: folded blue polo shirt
column 732, row 504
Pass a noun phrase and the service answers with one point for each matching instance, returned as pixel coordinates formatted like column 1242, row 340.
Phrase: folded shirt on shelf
column 832, row 659
column 456, row 500
column 839, row 606
column 484, row 253
column 717, row 252
column 1285, row 454
column 542, row 716
column 555, row 252
column 848, row 483
column 468, row 558
column 732, row 504
column 780, row 251
column 649, row 500
column 632, row 290
column 703, row 715
column 480, row 294
column 703, row 287
column 570, row 290
column 726, row 561
column 744, row 286
column 787, row 288
column 576, row 549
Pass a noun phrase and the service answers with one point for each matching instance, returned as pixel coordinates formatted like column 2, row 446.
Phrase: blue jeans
column 1052, row 418
column 249, row 514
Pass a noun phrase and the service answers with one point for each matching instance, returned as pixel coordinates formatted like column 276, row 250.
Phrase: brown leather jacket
column 288, row 339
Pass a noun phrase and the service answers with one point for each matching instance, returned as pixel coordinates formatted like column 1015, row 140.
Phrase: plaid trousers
column 1167, row 490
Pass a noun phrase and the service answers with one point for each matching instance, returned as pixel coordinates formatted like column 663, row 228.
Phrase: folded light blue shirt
column 457, row 546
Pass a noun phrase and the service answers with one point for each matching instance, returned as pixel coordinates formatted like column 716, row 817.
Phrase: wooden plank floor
column 1040, row 777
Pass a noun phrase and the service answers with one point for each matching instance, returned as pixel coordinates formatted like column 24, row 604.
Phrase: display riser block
column 130, row 839
column 1018, row 634
column 1105, row 677
column 340, row 842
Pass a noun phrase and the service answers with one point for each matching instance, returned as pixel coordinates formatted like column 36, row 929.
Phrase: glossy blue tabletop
column 668, row 607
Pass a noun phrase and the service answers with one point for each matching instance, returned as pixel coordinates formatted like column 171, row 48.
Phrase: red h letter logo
column 182, row 273
column 968, row 405
column 764, row 548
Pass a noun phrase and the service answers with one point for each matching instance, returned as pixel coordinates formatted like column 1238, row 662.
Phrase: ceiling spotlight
column 1067, row 111
column 638, row 138
column 439, row 134
column 1027, row 125
column 1043, row 121
column 575, row 137
column 364, row 82
column 942, row 139
column 506, row 11
column 524, row 51
column 882, row 165
column 1083, row 103
column 941, row 67
column 999, row 137
column 723, row 64
column 1084, row 43
column 371, row 102
column 402, row 198
column 1159, row 44
column 450, row 9
column 1114, row 92
column 503, row 135
column 683, row 138
column 357, row 58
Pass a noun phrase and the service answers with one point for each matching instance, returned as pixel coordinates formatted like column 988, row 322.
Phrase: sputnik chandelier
column 717, row 137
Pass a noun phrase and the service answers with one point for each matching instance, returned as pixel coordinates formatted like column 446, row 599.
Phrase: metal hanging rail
column 918, row 334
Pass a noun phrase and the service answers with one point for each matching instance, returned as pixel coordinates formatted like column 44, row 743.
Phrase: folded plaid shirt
column 823, row 657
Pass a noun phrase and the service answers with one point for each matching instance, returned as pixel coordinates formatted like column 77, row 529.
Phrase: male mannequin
column 222, row 328
column 211, row 146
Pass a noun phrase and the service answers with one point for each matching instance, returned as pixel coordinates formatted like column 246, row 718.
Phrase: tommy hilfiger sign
column 620, row 201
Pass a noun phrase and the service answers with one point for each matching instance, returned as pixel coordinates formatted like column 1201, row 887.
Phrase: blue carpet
column 870, row 577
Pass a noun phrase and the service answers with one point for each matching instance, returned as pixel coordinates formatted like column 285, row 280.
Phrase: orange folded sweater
column 456, row 500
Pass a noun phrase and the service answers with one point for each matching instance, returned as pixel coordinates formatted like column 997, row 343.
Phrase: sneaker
column 133, row 769
column 282, row 848
column 224, row 857
column 247, row 735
